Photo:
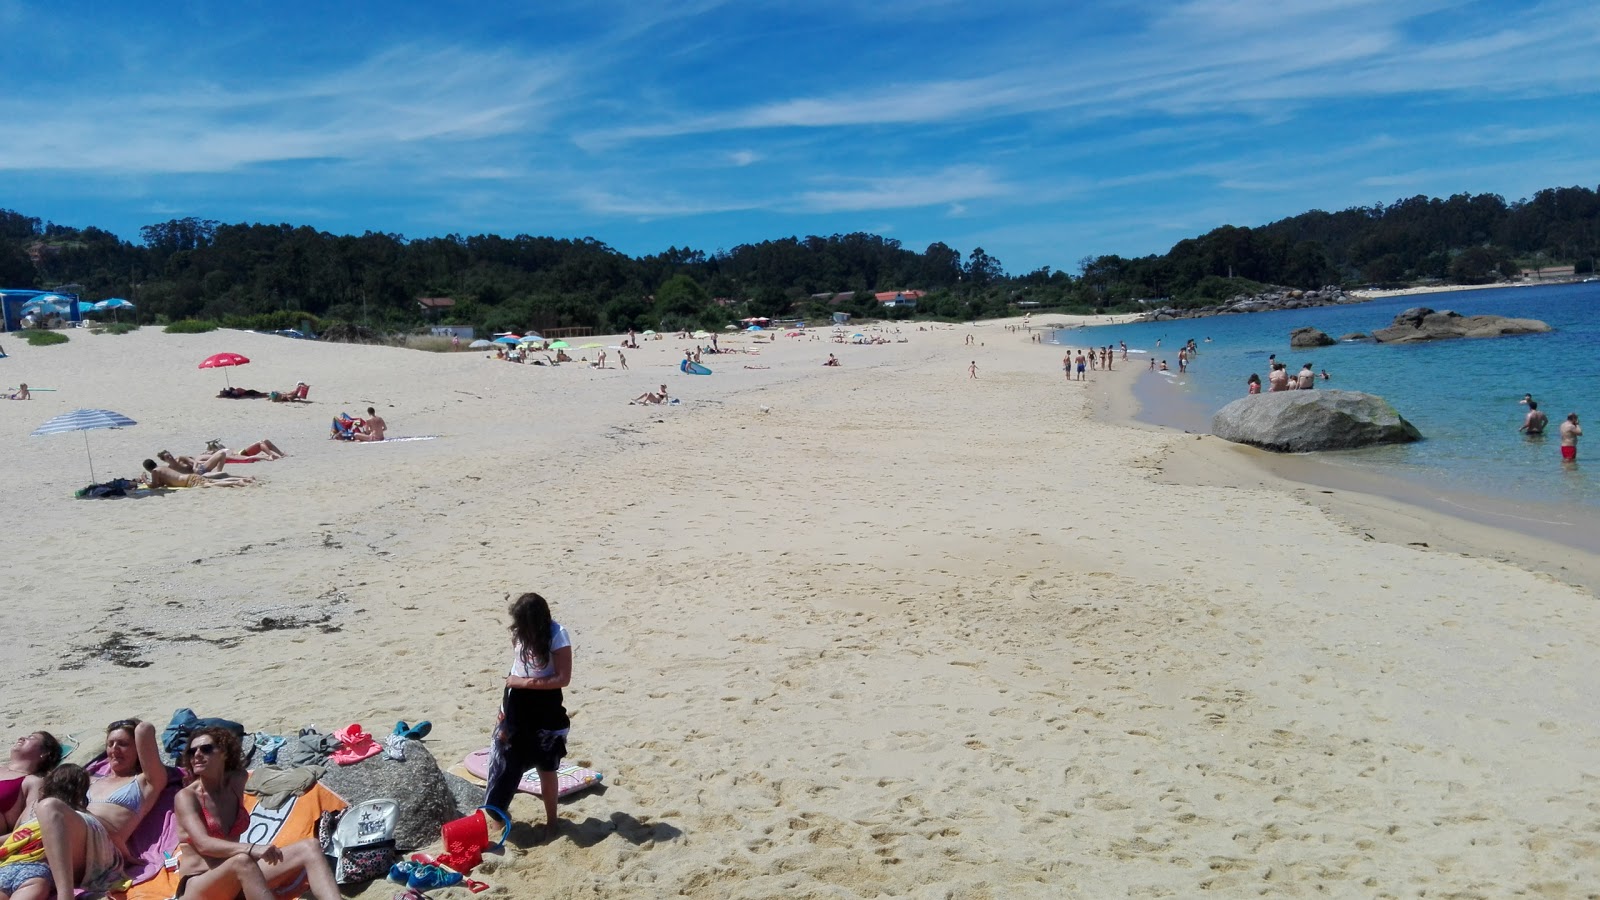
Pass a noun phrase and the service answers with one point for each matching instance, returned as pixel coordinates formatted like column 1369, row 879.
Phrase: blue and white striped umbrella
column 85, row 420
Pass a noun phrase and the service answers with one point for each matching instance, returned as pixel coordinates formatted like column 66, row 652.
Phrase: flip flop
column 418, row 731
column 401, row 727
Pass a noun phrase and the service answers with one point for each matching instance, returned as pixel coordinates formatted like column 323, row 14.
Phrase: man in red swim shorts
column 1570, row 432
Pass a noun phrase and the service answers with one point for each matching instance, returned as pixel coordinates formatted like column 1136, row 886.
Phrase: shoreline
column 1379, row 507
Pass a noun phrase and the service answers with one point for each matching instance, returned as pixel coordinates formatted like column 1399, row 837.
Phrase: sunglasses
column 206, row 749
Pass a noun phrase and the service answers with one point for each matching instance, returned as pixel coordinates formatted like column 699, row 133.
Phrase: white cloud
column 950, row 185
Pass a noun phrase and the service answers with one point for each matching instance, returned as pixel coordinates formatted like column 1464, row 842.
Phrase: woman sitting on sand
column 22, row 393
column 211, row 819
column 32, row 757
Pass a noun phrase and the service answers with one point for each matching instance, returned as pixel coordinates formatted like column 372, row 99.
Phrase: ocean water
column 1463, row 394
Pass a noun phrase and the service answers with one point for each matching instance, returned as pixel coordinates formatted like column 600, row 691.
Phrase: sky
column 1043, row 132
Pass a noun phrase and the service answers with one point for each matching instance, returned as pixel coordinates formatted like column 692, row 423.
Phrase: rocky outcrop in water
column 1298, row 421
column 1266, row 301
column 1355, row 336
column 1303, row 338
column 1420, row 323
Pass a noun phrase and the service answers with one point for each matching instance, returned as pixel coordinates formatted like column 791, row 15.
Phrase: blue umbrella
column 85, row 307
column 84, row 420
column 753, row 328
column 113, row 303
column 508, row 339
column 50, row 303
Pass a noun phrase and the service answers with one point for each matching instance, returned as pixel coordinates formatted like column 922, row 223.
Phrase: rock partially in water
column 1302, row 338
column 1420, row 323
column 1299, row 421
column 1355, row 336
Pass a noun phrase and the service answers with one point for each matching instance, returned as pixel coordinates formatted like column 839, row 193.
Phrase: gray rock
column 1420, row 323
column 416, row 783
column 1356, row 336
column 1298, row 421
column 1301, row 338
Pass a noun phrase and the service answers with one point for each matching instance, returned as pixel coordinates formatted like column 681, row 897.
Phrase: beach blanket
column 397, row 440
column 569, row 779
column 281, row 827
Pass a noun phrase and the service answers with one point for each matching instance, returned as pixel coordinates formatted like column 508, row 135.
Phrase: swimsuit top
column 214, row 828
column 10, row 790
column 129, row 796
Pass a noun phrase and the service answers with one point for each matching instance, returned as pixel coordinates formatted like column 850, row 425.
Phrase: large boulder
column 416, row 783
column 1298, row 421
column 1420, row 323
column 1301, row 338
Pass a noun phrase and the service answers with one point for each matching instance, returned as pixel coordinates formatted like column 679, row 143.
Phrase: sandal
column 418, row 731
column 426, row 878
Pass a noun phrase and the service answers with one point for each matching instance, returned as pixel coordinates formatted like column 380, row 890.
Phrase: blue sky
column 1042, row 132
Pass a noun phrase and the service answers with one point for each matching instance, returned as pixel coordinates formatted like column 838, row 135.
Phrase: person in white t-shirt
column 532, row 729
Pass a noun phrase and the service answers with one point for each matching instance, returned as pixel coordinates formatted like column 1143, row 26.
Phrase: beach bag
column 466, row 838
column 360, row 840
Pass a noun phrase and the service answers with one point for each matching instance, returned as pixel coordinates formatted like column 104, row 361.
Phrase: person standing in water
column 1535, row 422
column 1570, row 432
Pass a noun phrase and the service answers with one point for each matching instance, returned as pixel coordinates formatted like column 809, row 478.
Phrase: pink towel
column 157, row 834
column 355, row 745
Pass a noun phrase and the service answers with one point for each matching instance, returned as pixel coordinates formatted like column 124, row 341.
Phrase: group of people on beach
column 1092, row 358
column 348, row 428
column 68, row 826
column 206, row 469
column 1535, row 422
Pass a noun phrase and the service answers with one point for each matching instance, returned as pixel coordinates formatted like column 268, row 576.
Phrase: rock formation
column 1297, row 421
column 1420, row 323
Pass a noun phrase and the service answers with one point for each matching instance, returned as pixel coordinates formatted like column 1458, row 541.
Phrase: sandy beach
column 875, row 630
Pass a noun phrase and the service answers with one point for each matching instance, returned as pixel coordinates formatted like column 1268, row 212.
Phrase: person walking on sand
column 531, row 732
column 1066, row 365
column 622, row 360
column 1535, row 422
column 1570, row 432
column 972, row 369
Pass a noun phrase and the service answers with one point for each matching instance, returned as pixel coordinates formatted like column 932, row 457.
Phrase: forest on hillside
column 261, row 275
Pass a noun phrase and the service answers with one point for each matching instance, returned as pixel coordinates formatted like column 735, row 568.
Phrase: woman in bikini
column 85, row 848
column 24, row 873
column 32, row 757
column 212, row 863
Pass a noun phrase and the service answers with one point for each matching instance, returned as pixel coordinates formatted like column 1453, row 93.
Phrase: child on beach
column 532, row 729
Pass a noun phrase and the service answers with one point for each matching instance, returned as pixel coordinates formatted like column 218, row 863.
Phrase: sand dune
column 904, row 633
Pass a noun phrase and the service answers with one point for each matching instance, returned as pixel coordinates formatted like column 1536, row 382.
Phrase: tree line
column 194, row 269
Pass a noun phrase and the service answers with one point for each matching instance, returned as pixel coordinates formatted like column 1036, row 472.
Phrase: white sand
column 905, row 634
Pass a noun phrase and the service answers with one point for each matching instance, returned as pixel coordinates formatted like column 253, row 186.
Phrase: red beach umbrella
column 224, row 361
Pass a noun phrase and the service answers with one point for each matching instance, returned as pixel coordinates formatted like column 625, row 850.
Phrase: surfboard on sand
column 693, row 368
column 569, row 779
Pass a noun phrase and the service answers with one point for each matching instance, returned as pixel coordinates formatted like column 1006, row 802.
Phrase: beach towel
column 569, row 779
column 157, row 833
column 399, row 440
column 280, row 827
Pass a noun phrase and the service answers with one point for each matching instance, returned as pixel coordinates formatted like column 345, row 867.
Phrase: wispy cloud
column 903, row 191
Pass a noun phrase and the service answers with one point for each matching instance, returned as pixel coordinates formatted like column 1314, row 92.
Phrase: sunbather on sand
column 262, row 449
column 210, row 461
column 372, row 429
column 649, row 397
column 212, row 861
column 32, row 757
column 235, row 393
column 21, row 393
column 25, row 871
column 161, row 476
column 85, row 847
column 297, row 394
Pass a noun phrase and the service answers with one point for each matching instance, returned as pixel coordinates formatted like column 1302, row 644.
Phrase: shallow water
column 1462, row 394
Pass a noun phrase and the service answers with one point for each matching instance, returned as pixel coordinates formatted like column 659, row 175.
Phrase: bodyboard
column 692, row 368
column 569, row 779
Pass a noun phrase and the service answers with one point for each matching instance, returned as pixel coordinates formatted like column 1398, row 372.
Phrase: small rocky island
column 1300, row 421
column 1420, row 323
column 1266, row 301
column 1305, row 338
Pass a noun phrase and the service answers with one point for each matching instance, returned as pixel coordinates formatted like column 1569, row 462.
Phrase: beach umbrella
column 791, row 334
column 592, row 347
column 533, row 336
column 113, row 303
column 649, row 333
column 480, row 345
column 47, row 304
column 223, row 361
column 559, row 345
column 84, row 420
column 85, row 307
column 753, row 328
column 507, row 339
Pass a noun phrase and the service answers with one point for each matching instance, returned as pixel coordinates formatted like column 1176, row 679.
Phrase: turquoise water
column 1462, row 394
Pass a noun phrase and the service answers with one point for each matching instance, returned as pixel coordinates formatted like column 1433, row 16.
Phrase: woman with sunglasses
column 213, row 862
